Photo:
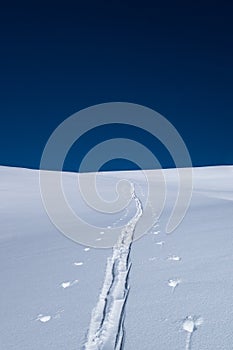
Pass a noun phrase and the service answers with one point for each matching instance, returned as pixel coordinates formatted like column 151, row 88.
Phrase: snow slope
column 159, row 292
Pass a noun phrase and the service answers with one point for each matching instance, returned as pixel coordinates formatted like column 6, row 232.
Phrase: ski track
column 106, row 329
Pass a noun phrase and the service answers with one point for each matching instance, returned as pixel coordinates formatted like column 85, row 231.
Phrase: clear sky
column 59, row 57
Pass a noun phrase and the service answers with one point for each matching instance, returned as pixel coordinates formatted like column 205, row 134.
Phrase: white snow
column 65, row 285
column 174, row 283
column 174, row 258
column 43, row 319
column 37, row 267
column 153, row 258
column 160, row 243
column 68, row 284
column 155, row 232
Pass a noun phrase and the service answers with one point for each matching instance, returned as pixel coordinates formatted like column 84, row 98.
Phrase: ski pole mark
column 68, row 284
column 153, row 258
column 161, row 243
column 106, row 330
column 174, row 258
column 46, row 318
column 174, row 283
column 58, row 314
column 155, row 232
column 190, row 325
column 43, row 319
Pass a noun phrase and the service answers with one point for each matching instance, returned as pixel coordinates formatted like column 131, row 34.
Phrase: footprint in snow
column 86, row 249
column 78, row 263
column 101, row 232
column 174, row 283
column 68, row 284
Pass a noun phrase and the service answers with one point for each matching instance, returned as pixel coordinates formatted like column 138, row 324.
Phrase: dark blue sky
column 175, row 57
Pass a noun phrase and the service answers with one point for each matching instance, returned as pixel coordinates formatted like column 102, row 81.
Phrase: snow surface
column 51, row 286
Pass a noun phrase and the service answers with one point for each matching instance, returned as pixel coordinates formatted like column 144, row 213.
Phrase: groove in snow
column 106, row 330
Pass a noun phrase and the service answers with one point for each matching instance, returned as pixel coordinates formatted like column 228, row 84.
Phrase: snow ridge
column 106, row 330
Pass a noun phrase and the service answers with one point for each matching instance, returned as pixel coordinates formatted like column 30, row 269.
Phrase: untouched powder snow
column 162, row 291
column 106, row 330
